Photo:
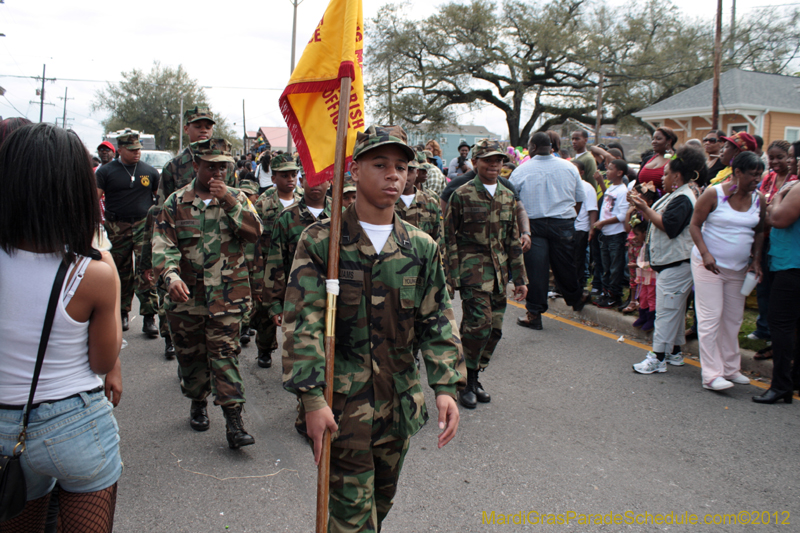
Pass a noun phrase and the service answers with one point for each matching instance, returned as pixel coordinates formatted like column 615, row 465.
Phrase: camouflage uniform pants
column 208, row 354
column 363, row 484
column 126, row 242
column 481, row 325
column 267, row 336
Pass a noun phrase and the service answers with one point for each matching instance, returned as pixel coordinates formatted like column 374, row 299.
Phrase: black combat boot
column 467, row 396
column 244, row 338
column 265, row 358
column 480, row 394
column 169, row 348
column 149, row 326
column 234, row 430
column 198, row 415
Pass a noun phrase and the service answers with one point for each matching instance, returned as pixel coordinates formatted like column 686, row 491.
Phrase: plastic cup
column 750, row 282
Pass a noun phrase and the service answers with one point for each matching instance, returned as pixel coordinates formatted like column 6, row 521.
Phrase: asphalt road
column 570, row 429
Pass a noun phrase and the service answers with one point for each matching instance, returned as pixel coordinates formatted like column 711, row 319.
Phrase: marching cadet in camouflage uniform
column 269, row 205
column 250, row 188
column 485, row 253
column 178, row 173
column 420, row 208
column 199, row 253
column 129, row 186
column 348, row 191
column 392, row 293
column 313, row 206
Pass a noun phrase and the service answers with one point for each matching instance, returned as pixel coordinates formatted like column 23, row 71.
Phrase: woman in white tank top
column 48, row 214
column 727, row 229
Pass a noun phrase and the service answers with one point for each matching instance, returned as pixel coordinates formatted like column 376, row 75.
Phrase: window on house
column 736, row 128
column 792, row 134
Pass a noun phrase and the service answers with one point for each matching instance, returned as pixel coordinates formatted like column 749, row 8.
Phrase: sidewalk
column 615, row 321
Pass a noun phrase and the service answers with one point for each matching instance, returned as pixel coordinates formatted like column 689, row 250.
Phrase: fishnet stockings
column 91, row 512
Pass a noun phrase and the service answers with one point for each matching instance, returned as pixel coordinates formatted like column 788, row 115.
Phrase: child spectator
column 612, row 239
column 648, row 192
column 645, row 277
column 583, row 224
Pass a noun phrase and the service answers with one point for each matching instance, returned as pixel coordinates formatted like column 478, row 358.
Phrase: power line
column 15, row 107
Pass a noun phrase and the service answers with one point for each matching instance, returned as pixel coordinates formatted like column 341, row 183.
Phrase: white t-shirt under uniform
column 615, row 204
column 378, row 234
column 589, row 204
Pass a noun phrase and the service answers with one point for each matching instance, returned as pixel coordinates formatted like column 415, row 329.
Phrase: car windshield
column 156, row 159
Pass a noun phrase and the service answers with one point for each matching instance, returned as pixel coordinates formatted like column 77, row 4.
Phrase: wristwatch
column 528, row 233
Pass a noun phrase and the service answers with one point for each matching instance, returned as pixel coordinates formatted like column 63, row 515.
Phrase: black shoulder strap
column 48, row 325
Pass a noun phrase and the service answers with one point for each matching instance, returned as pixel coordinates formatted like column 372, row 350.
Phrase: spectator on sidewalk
column 461, row 164
column 643, row 285
column 587, row 216
column 783, row 215
column 664, row 140
column 436, row 152
column 551, row 191
column 669, row 242
column 727, row 229
column 579, row 139
column 778, row 153
column 611, row 230
column 732, row 146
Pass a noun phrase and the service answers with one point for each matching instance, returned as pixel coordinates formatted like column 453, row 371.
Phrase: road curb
column 617, row 322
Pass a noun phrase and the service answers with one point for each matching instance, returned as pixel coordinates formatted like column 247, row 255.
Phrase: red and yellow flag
column 310, row 103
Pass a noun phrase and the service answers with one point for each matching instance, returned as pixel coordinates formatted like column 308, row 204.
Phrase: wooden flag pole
column 324, row 473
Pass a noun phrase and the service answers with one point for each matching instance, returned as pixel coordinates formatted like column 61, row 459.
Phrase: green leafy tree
column 541, row 63
column 151, row 102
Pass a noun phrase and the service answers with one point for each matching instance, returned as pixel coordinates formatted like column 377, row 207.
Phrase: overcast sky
column 234, row 44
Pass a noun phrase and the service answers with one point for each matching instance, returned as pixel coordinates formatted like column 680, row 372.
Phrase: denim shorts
column 73, row 441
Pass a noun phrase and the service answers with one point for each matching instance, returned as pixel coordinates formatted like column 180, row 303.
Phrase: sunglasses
column 710, row 140
column 104, row 149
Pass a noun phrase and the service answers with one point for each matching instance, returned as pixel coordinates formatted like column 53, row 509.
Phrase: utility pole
column 64, row 118
column 180, row 129
column 733, row 28
column 244, row 127
column 41, row 101
column 599, row 120
column 717, row 69
column 389, row 88
column 295, row 3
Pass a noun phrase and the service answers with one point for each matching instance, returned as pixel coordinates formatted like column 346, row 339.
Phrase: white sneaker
column 650, row 365
column 675, row 359
column 754, row 337
column 718, row 384
column 739, row 379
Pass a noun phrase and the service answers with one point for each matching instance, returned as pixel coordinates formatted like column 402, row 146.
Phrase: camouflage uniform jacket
column 204, row 245
column 483, row 244
column 285, row 234
column 386, row 303
column 268, row 207
column 424, row 213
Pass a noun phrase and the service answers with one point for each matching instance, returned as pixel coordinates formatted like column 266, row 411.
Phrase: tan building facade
column 757, row 103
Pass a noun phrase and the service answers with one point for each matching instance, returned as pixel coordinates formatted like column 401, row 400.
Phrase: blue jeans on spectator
column 614, row 254
column 552, row 248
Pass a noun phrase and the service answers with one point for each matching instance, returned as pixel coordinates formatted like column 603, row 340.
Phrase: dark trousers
column 784, row 314
column 597, row 263
column 552, row 248
column 581, row 241
column 614, row 254
column 763, row 290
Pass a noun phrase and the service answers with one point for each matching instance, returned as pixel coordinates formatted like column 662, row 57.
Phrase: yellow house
column 754, row 102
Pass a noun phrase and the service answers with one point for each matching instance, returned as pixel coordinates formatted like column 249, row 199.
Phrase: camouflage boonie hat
column 249, row 187
column 487, row 148
column 283, row 163
column 198, row 112
column 212, row 150
column 417, row 161
column 129, row 141
column 428, row 154
column 376, row 136
column 426, row 166
column 349, row 184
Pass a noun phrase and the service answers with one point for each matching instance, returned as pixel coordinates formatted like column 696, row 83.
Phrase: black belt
column 101, row 388
column 111, row 217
